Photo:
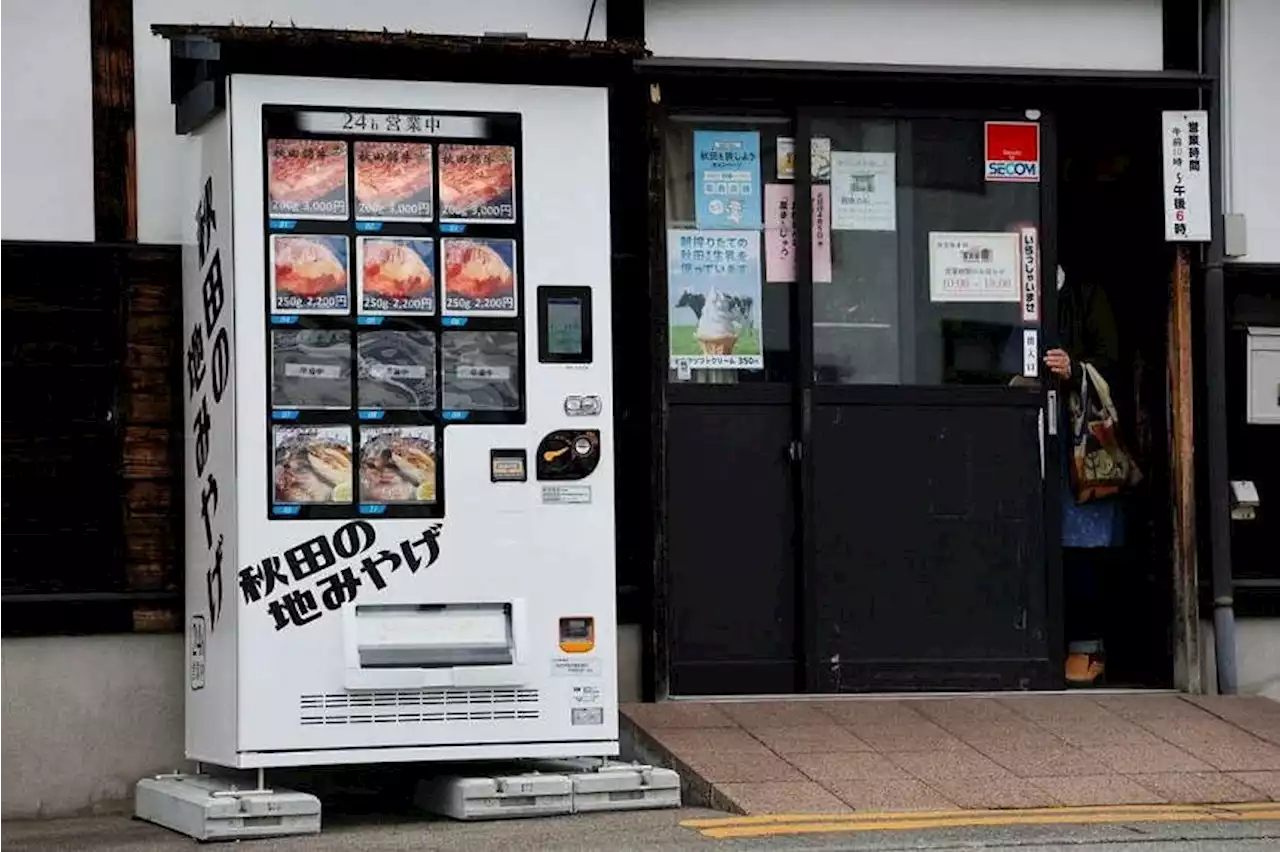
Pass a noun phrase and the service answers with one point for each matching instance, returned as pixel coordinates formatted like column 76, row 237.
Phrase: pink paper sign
column 780, row 234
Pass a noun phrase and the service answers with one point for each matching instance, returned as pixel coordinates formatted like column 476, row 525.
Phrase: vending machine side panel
column 209, row 448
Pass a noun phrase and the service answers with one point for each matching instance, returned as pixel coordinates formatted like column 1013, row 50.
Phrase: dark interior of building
column 1111, row 231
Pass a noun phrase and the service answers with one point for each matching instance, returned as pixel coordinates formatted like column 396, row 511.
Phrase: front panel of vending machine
column 423, row 482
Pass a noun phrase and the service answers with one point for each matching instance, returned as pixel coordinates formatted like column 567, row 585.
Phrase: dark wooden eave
column 201, row 58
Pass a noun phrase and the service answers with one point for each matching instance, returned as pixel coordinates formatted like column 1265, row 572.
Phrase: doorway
column 860, row 502
column 1111, row 233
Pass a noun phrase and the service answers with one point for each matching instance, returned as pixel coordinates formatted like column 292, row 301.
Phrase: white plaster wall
column 1098, row 34
column 1257, row 657
column 162, row 155
column 85, row 718
column 46, row 131
column 630, row 663
column 1251, row 167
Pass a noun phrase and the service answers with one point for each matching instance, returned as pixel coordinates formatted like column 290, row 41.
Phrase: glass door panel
column 965, row 276
column 729, row 306
column 730, row 418
column 857, row 316
column 926, row 273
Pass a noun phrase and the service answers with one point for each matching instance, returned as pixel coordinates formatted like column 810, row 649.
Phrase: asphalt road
column 653, row 831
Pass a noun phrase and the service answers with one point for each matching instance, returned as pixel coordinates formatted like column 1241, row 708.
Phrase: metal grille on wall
column 89, row 471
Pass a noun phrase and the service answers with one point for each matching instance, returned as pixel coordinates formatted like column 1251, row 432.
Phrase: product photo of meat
column 477, row 183
column 393, row 181
column 480, row 276
column 396, row 275
column 310, row 273
column 307, row 177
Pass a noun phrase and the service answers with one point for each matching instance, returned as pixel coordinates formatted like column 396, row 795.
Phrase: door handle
column 1051, row 400
column 1040, row 436
column 795, row 451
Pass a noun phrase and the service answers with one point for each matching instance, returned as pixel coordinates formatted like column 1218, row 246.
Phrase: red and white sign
column 1013, row 151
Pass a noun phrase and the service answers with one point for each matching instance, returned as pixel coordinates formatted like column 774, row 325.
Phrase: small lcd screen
column 564, row 326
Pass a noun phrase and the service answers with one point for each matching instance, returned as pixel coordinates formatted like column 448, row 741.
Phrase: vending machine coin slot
column 568, row 454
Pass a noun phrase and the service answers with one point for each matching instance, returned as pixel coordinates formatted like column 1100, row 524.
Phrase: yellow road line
column 836, row 823
column 862, row 816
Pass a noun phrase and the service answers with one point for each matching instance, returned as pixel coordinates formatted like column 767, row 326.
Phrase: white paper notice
column 1030, row 275
column 1030, row 353
column 1186, row 177
column 780, row 234
column 974, row 267
column 863, row 191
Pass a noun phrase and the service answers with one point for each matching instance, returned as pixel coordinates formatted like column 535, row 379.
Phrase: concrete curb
column 695, row 791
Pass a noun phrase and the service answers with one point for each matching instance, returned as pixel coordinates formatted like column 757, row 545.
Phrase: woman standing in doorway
column 1090, row 531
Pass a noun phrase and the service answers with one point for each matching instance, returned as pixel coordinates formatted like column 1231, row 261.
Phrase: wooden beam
column 151, row 424
column 1182, row 461
column 114, row 170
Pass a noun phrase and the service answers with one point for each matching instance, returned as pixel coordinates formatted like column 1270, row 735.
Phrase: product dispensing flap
column 437, row 636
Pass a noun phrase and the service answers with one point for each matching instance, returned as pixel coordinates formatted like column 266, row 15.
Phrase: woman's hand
column 1058, row 362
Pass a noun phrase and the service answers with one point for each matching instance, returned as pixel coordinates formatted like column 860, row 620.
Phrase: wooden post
column 1182, row 459
column 114, row 174
column 152, row 381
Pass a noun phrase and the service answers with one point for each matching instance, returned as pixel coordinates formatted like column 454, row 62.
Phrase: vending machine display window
column 312, row 465
column 398, row 465
column 396, row 370
column 394, row 299
column 311, row 369
column 480, row 370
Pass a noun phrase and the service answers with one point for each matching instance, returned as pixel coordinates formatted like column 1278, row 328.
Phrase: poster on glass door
column 714, row 300
column 780, row 233
column 819, row 158
column 865, row 189
column 726, row 175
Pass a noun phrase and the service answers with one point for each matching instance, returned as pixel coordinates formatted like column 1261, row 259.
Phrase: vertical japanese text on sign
column 208, row 357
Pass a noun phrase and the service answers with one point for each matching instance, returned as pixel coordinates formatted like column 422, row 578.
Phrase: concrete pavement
column 1120, row 773
column 655, row 830
column 659, row 831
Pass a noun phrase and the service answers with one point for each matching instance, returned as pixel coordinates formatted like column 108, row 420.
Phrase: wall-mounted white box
column 1262, row 373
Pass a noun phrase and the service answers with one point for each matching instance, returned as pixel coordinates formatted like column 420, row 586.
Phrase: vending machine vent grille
column 419, row 705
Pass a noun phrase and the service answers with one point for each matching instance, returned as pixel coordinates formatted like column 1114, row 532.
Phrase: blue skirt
column 1098, row 523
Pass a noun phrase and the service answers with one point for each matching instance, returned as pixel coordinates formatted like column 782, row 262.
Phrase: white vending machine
column 399, row 454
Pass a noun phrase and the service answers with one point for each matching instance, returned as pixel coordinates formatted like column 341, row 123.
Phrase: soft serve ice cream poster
column 713, row 292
